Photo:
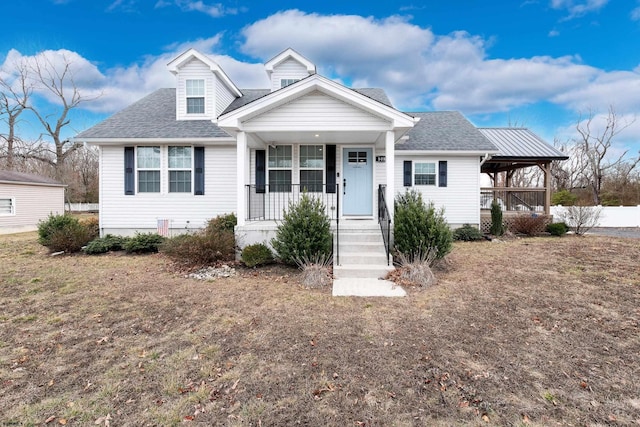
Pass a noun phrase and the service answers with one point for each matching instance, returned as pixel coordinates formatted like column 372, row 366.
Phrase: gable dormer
column 288, row 67
column 203, row 90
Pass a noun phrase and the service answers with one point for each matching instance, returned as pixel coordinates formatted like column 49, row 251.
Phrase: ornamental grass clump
column 305, row 231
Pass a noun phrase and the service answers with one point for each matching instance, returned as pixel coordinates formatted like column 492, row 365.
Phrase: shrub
column 497, row 226
column 105, row 244
column 258, row 254
column 316, row 271
column 92, row 224
column 305, row 231
column 557, row 228
column 64, row 233
column 225, row 222
column 143, row 243
column 420, row 228
column 528, row 224
column 467, row 233
column 203, row 248
column 581, row 218
column 416, row 271
column 564, row 198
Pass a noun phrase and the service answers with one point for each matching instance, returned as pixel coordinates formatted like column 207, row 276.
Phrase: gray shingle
column 154, row 116
column 520, row 143
column 10, row 176
column 444, row 131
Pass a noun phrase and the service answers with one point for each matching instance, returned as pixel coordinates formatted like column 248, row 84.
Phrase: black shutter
column 129, row 177
column 198, row 176
column 261, row 172
column 407, row 173
column 331, row 169
column 442, row 171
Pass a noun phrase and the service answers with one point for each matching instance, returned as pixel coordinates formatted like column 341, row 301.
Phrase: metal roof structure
column 520, row 143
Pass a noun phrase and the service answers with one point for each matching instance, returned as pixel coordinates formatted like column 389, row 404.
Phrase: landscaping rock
column 212, row 273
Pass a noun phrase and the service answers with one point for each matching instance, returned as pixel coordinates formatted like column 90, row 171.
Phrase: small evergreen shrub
column 557, row 228
column 258, row 254
column 420, row 228
column 143, row 243
column 497, row 226
column 564, row 198
column 225, row 222
column 105, row 244
column 64, row 233
column 467, row 233
column 305, row 231
column 92, row 224
column 203, row 248
column 529, row 224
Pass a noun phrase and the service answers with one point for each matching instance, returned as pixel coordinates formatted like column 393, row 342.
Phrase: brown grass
column 539, row 331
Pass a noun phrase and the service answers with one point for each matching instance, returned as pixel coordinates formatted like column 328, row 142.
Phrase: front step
column 362, row 254
column 361, row 271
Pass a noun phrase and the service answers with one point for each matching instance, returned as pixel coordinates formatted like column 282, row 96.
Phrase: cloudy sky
column 542, row 64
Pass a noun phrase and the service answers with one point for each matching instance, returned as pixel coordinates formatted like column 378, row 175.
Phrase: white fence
column 82, row 207
column 610, row 216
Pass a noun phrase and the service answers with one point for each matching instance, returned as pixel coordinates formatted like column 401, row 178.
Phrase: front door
column 357, row 181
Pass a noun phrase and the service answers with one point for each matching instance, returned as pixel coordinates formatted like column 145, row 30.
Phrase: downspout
column 486, row 158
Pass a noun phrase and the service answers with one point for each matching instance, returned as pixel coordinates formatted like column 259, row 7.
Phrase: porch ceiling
column 319, row 137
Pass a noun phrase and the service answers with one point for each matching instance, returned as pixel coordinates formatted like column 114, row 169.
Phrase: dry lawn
column 540, row 331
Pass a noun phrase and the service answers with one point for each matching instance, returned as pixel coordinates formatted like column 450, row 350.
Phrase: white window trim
column 322, row 169
column 279, row 168
column 187, row 97
column 138, row 169
column 12, row 201
column 435, row 173
column 170, row 169
column 289, row 81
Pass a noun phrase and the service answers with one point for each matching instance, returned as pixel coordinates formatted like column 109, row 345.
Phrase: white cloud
column 554, row 33
column 578, row 8
column 635, row 14
column 215, row 10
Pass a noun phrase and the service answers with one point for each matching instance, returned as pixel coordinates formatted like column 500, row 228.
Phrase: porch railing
column 384, row 219
column 514, row 199
column 270, row 203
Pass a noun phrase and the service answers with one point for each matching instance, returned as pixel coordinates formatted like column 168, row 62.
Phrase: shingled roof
column 445, row 131
column 12, row 177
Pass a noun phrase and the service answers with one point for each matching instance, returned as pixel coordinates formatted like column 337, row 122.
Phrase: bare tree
column 594, row 150
column 15, row 91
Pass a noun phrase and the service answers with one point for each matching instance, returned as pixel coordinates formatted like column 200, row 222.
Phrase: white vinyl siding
column 461, row 196
column 224, row 97
column 195, row 70
column 289, row 69
column 121, row 214
column 30, row 203
column 317, row 112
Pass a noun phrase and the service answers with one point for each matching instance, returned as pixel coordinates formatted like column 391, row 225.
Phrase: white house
column 208, row 148
column 26, row 199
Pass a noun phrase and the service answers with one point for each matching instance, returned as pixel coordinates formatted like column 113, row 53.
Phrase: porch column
column 390, row 156
column 241, row 165
column 547, row 187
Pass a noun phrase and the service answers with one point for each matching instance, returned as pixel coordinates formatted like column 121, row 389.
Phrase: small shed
column 26, row 199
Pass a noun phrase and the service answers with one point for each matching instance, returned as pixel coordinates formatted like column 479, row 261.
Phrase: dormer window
column 287, row 82
column 195, row 96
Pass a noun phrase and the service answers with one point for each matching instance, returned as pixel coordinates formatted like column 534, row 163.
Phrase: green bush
column 420, row 228
column 497, row 226
column 557, row 228
column 467, row 233
column 143, row 243
column 105, row 244
column 258, row 254
column 305, row 231
column 564, row 198
column 225, row 222
column 203, row 248
column 64, row 233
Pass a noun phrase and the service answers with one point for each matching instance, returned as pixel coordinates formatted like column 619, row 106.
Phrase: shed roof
column 445, row 131
column 520, row 143
column 26, row 178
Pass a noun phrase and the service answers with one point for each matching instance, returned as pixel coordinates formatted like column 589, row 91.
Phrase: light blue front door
column 357, row 181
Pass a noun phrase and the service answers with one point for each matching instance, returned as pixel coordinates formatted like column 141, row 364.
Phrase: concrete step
column 362, row 247
column 363, row 258
column 360, row 237
column 362, row 271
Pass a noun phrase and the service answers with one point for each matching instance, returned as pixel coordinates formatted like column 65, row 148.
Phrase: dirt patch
column 535, row 331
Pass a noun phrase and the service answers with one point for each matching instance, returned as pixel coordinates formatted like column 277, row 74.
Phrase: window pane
column 425, row 168
column 287, row 82
column 180, row 181
column 6, row 206
column 280, row 181
column 148, row 157
column 311, row 181
column 195, row 87
column 311, row 156
column 425, row 179
column 425, row 174
column 180, row 157
column 280, row 156
column 148, row 181
column 195, row 105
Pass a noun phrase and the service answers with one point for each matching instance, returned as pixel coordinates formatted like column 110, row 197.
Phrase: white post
column 241, row 165
column 389, row 151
